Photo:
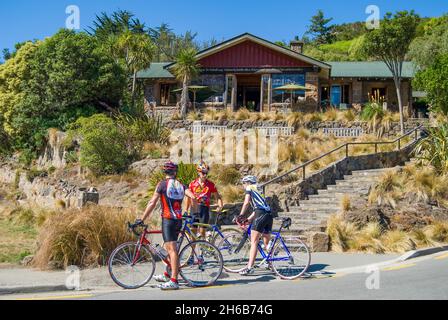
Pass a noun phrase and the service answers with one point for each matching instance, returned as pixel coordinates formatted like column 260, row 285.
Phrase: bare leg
column 266, row 239
column 171, row 247
column 255, row 238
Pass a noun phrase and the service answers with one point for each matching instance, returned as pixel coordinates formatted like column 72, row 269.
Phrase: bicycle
column 214, row 231
column 229, row 238
column 132, row 264
column 287, row 256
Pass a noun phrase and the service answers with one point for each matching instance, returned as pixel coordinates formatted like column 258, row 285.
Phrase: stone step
column 298, row 216
column 323, row 206
column 371, row 172
column 324, row 197
column 348, row 190
column 299, row 221
column 354, row 184
column 359, row 178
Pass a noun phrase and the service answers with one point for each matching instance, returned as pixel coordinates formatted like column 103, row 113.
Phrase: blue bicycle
column 225, row 239
column 288, row 256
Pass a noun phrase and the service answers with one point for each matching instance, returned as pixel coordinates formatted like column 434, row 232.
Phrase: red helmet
column 202, row 167
column 170, row 167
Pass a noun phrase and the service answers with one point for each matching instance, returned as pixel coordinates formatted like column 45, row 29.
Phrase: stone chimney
column 296, row 46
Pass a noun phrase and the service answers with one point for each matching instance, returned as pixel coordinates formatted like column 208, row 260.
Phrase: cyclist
column 171, row 193
column 203, row 190
column 262, row 219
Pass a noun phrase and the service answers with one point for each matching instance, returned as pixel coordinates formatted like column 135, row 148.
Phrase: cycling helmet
column 249, row 179
column 169, row 167
column 202, row 167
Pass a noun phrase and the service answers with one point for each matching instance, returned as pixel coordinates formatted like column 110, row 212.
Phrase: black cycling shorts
column 171, row 229
column 263, row 221
column 203, row 216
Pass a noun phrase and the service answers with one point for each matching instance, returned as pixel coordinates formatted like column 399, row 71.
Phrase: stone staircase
column 312, row 214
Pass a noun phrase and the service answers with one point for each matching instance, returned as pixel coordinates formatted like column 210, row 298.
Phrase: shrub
column 433, row 149
column 103, row 146
column 82, row 237
column 224, row 175
column 185, row 174
column 232, row 194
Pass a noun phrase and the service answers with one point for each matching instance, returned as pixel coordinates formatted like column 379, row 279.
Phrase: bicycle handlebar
column 133, row 226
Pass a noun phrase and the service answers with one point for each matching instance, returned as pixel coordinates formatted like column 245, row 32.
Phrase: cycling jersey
column 172, row 193
column 257, row 198
column 203, row 191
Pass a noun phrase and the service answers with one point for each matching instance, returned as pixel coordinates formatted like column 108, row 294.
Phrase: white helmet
column 249, row 179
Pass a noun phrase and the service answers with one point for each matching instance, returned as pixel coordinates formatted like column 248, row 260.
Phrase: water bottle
column 270, row 244
column 162, row 252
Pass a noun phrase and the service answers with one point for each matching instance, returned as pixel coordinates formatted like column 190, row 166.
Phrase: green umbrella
column 193, row 89
column 291, row 87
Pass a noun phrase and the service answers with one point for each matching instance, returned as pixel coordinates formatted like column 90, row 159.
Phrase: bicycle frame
column 143, row 241
column 214, row 228
column 266, row 256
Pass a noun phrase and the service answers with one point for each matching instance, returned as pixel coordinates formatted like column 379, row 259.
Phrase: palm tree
column 185, row 69
column 138, row 51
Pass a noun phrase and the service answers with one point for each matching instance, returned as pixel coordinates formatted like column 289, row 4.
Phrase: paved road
column 421, row 278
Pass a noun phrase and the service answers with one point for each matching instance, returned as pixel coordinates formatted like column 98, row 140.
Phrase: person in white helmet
column 262, row 218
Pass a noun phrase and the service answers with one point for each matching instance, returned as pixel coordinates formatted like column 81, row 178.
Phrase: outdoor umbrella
column 193, row 89
column 291, row 88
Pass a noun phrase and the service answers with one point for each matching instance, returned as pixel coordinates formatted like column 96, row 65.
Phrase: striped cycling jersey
column 257, row 198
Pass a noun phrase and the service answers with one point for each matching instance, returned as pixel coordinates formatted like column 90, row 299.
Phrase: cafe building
column 246, row 71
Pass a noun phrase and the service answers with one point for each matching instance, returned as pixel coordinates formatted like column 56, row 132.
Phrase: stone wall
column 299, row 190
column 312, row 126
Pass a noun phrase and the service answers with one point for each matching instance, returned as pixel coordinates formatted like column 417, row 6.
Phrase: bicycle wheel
column 291, row 258
column 129, row 271
column 235, row 253
column 205, row 267
column 225, row 232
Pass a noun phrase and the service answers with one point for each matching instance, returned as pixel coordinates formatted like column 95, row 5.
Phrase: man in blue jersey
column 262, row 219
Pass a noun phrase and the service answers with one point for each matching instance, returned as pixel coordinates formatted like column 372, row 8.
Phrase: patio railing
column 343, row 132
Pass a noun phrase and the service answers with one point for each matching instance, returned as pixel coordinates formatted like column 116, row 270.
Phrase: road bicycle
column 287, row 255
column 132, row 264
column 225, row 239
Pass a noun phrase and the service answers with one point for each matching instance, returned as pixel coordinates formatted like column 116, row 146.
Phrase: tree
column 117, row 23
column 168, row 44
column 434, row 80
column 138, row 51
column 390, row 43
column 431, row 43
column 319, row 29
column 53, row 82
column 185, row 69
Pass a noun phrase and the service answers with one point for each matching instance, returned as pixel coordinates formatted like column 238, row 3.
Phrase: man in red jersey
column 203, row 190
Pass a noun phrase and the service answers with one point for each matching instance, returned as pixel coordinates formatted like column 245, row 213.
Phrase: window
column 279, row 80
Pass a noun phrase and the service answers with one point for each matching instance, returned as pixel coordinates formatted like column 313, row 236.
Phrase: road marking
column 212, row 287
column 399, row 267
column 338, row 275
column 80, row 296
column 443, row 256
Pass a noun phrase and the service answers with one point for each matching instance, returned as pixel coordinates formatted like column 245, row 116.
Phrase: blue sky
column 22, row 20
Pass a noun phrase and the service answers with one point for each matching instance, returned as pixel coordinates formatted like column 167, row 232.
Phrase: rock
column 318, row 241
column 363, row 216
column 27, row 260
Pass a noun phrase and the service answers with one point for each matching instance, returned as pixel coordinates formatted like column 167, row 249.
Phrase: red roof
column 249, row 54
